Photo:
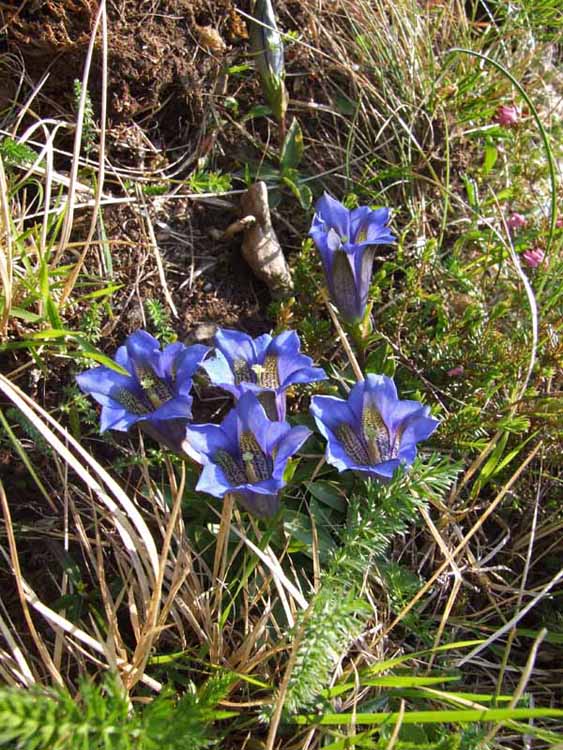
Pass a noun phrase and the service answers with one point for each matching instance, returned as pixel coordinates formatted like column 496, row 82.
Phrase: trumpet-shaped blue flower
column 346, row 241
column 155, row 392
column 245, row 455
column 265, row 365
column 373, row 432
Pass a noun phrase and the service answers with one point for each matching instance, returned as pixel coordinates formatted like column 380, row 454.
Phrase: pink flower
column 455, row 372
column 516, row 221
column 507, row 115
column 559, row 222
column 534, row 257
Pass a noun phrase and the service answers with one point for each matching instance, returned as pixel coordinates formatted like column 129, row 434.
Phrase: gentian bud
column 267, row 48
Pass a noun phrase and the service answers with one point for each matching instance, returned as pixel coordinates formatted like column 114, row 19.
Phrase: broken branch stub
column 260, row 246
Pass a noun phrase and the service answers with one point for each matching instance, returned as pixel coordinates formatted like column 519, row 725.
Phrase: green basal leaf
column 299, row 190
column 491, row 155
column 292, row 149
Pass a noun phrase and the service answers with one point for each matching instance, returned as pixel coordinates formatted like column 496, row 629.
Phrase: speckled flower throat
column 265, row 375
column 253, row 465
column 155, row 390
column 372, row 443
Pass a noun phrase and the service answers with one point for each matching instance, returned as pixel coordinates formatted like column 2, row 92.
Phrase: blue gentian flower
column 346, row 241
column 155, row 392
column 266, row 366
column 373, row 432
column 245, row 455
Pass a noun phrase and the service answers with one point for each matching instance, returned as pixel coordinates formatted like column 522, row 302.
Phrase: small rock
column 203, row 333
column 210, row 38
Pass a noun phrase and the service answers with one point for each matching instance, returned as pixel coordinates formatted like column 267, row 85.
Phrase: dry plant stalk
column 166, row 586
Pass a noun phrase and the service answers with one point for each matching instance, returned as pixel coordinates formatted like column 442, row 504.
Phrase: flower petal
column 186, row 364
column 273, row 403
column 167, row 360
column 407, row 455
column 143, row 349
column 105, row 384
column 253, row 419
column 263, row 506
column 378, row 233
column 327, row 245
column 363, row 271
column 417, row 428
column 385, row 469
column 265, row 487
column 284, row 344
column 293, row 367
column 235, row 346
column 205, row 440
column 276, row 433
column 359, row 221
column 116, row 419
column 304, row 374
column 370, row 227
column 218, row 369
column 213, row 481
column 171, row 433
column 356, row 402
column 289, row 444
column 124, row 360
column 344, row 288
column 404, row 410
column 261, row 344
column 336, row 455
column 334, row 214
column 175, row 408
column 382, row 392
column 331, row 411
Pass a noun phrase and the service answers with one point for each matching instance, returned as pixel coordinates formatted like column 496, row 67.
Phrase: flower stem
column 360, row 342
column 343, row 338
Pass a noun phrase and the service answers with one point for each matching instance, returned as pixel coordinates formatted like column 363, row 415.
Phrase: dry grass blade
column 21, row 588
column 457, row 580
column 526, row 674
column 60, row 623
column 343, row 338
column 273, row 565
column 70, row 199
column 129, row 522
column 157, row 254
column 151, row 628
column 73, row 277
column 397, row 728
column 463, row 543
column 20, row 668
column 6, row 260
column 513, row 622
